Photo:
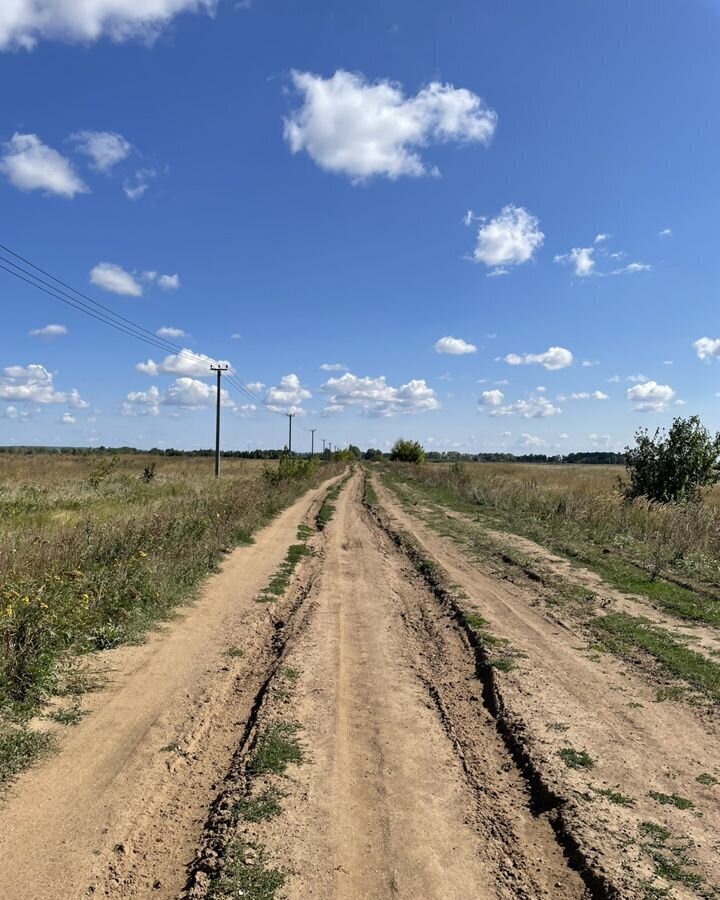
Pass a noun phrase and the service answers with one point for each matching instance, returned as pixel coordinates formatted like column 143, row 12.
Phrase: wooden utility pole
column 312, row 442
column 324, row 441
column 290, row 416
column 219, row 370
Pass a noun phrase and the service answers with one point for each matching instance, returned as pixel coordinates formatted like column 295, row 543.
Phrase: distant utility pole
column 290, row 418
column 312, row 442
column 219, row 370
column 324, row 441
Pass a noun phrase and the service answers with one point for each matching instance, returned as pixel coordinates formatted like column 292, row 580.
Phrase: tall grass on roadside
column 581, row 512
column 92, row 562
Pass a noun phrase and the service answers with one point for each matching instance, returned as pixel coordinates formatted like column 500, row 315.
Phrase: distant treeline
column 595, row 457
column 599, row 457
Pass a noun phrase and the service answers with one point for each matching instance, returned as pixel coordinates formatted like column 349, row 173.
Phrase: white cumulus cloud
column 105, row 148
column 510, row 239
column 186, row 362
column 48, row 331
column 114, row 278
column 363, row 129
column 552, row 358
column 454, row 346
column 650, row 396
column 287, row 397
column 375, row 397
column 581, row 258
column 491, row 398
column 30, row 165
column 707, row 348
column 535, row 407
column 333, row 367
column 25, row 22
column 168, row 331
column 34, row 384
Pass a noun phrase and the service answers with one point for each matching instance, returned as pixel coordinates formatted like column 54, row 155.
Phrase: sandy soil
column 427, row 773
column 113, row 812
column 560, row 695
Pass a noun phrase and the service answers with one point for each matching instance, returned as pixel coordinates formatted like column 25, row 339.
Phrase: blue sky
column 296, row 185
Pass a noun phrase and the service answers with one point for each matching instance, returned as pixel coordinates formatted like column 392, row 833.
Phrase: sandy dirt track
column 414, row 784
column 563, row 695
column 113, row 811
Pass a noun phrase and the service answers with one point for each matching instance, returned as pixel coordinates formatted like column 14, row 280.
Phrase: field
column 477, row 680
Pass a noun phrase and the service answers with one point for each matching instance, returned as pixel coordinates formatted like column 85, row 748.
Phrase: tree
column 407, row 451
column 372, row 454
column 675, row 465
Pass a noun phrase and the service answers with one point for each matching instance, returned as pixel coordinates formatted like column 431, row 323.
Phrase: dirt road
column 349, row 746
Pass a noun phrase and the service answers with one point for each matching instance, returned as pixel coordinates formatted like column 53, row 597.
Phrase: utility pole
column 290, row 418
column 324, row 441
column 219, row 370
column 312, row 442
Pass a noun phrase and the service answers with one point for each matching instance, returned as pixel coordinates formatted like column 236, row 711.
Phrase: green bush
column 673, row 466
column 407, row 451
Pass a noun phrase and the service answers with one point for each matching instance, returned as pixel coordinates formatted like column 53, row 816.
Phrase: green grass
column 625, row 634
column 260, row 808
column 280, row 580
column 68, row 715
column 245, row 874
column 304, row 532
column 502, row 504
column 616, row 797
column 575, row 759
column 707, row 779
column 671, row 800
column 656, row 834
column 370, row 496
column 277, row 746
column 18, row 749
column 234, row 652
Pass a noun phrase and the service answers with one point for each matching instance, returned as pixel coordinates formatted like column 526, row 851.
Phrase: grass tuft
column 258, row 809
column 245, row 874
column 617, row 798
column 576, row 759
column 671, row 800
column 18, row 749
column 277, row 746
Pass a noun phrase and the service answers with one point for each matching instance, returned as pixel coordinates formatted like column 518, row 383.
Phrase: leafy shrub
column 407, row 451
column 673, row 466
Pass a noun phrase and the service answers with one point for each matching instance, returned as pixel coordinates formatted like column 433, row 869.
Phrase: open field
column 393, row 691
column 95, row 551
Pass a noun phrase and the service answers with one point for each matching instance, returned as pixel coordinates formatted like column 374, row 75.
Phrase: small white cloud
column 375, row 397
column 24, row 22
column 30, row 165
column 581, row 260
column 105, row 148
column 636, row 379
column 668, row 362
column 531, row 440
column 333, row 367
column 468, row 218
column 632, row 269
column 363, row 129
column 67, row 419
column 602, row 237
column 142, row 403
column 491, row 398
column 614, row 379
column 186, row 363
column 587, row 363
column 288, row 396
column 236, row 336
column 535, row 407
column 584, row 395
column 454, row 346
column 666, row 232
column 650, row 396
column 48, row 331
column 707, row 348
column 34, row 383
column 136, row 186
column 255, row 386
column 115, row 279
column 552, row 358
column 510, row 239
column 168, row 331
column 169, row 282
